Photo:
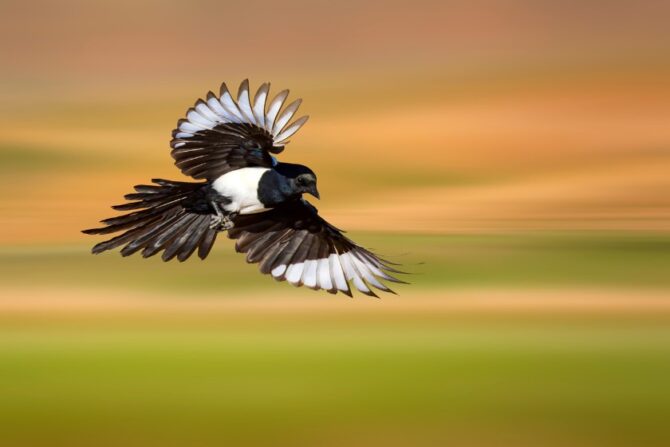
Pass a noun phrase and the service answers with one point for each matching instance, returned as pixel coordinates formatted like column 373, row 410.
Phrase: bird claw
column 221, row 223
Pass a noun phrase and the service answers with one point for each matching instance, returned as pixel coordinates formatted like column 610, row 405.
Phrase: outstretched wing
column 170, row 216
column 220, row 134
column 293, row 243
column 290, row 242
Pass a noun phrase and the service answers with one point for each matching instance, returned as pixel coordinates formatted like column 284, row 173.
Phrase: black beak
column 313, row 191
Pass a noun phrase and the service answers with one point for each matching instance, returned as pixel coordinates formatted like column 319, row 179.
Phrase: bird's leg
column 221, row 221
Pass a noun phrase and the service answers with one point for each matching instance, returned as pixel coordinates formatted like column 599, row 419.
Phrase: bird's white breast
column 241, row 188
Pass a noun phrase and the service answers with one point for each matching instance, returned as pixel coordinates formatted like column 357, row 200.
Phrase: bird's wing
column 220, row 134
column 293, row 243
column 170, row 216
column 290, row 242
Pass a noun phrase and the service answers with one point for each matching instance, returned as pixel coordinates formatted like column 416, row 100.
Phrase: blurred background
column 514, row 156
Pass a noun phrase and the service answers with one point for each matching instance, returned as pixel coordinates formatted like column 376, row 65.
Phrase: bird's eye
column 302, row 181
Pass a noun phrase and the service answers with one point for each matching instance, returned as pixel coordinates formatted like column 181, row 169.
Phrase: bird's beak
column 313, row 191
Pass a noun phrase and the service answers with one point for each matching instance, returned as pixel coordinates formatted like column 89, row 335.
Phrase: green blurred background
column 514, row 156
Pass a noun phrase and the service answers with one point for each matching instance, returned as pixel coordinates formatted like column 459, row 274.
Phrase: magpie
column 244, row 191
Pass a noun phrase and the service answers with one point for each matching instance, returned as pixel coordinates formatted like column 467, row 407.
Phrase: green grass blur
column 422, row 379
column 340, row 376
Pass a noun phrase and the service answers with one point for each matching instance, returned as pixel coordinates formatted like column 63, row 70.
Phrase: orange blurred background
column 429, row 116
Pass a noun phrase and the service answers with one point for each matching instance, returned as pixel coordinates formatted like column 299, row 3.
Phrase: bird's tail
column 168, row 215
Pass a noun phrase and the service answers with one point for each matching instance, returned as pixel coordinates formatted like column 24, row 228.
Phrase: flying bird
column 243, row 190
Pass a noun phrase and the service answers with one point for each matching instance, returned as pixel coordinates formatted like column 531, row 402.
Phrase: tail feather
column 167, row 216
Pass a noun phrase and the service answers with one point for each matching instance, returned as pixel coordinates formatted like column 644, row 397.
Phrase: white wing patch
column 336, row 272
column 224, row 109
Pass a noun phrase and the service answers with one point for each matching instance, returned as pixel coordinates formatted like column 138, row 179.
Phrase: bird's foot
column 221, row 223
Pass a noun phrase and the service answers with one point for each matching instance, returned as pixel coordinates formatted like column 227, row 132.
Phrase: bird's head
column 299, row 179
column 306, row 183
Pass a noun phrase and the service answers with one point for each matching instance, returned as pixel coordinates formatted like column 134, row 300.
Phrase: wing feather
column 227, row 134
column 273, row 109
column 285, row 116
column 293, row 243
column 229, row 103
column 259, row 104
column 290, row 130
column 244, row 102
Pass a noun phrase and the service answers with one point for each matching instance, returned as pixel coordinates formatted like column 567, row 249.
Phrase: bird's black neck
column 275, row 188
